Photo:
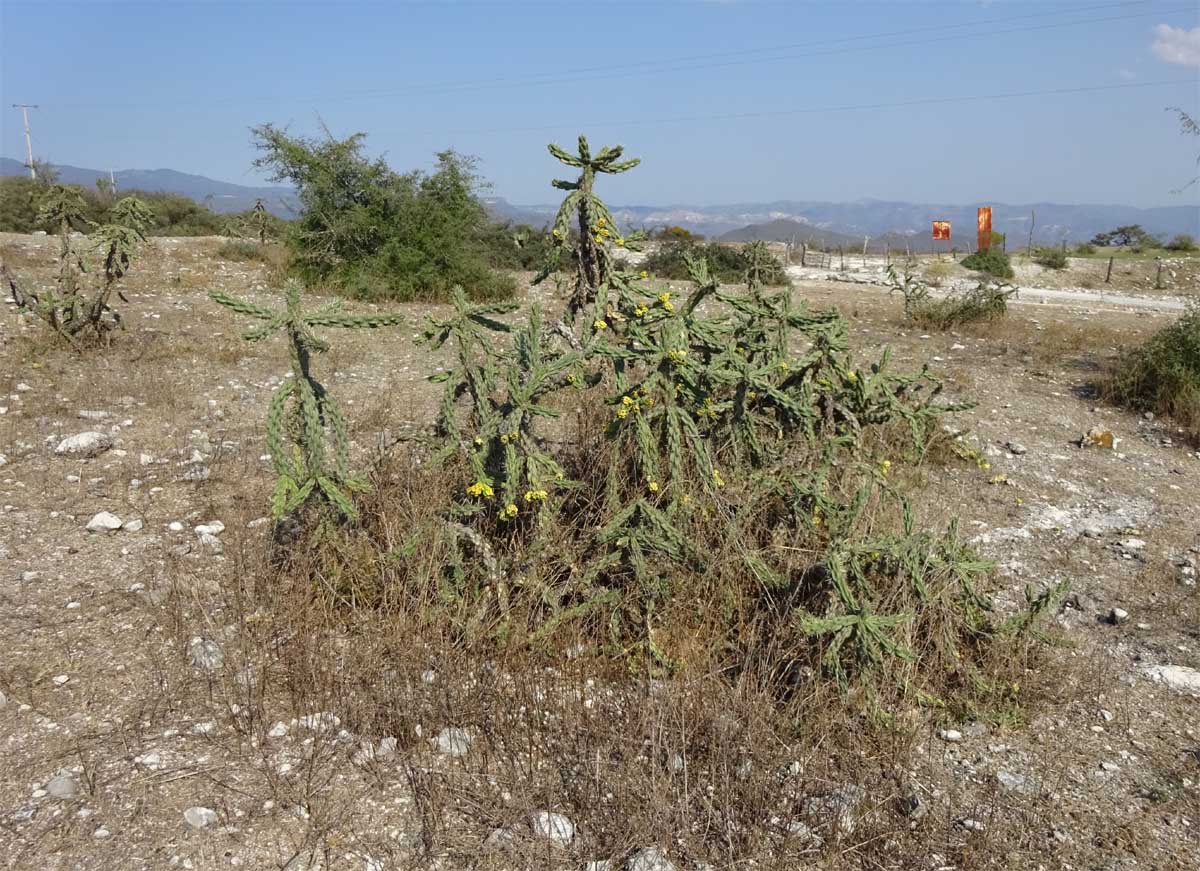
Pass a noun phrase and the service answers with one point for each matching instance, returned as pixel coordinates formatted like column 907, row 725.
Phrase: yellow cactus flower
column 622, row 413
column 571, row 378
column 599, row 325
column 643, row 274
column 620, row 243
column 509, row 512
column 536, row 495
column 851, row 377
column 627, row 400
column 641, row 311
column 677, row 356
column 653, row 486
column 664, row 297
column 480, row 488
column 717, row 479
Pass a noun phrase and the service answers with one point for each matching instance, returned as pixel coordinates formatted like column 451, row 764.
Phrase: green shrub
column 1182, row 242
column 377, row 234
column 518, row 247
column 1163, row 375
column 1051, row 257
column 172, row 214
column 19, row 204
column 726, row 262
column 993, row 261
column 676, row 234
column 1084, row 249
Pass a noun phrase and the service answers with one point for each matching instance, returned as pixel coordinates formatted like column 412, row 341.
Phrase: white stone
column 650, row 859
column 63, row 786
column 1177, row 677
column 104, row 522
column 453, row 741
column 200, row 817
column 216, row 527
column 84, row 444
column 205, row 653
column 951, row 735
column 554, row 827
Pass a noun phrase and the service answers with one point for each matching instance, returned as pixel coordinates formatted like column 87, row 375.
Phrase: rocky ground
column 133, row 485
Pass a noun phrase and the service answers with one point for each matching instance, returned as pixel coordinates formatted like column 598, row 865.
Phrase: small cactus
column 308, row 440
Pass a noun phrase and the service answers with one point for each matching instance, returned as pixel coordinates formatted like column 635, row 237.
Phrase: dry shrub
column 985, row 302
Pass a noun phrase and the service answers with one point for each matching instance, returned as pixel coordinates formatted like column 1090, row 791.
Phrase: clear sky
column 725, row 101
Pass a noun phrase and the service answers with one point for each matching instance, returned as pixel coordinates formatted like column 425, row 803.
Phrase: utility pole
column 25, row 107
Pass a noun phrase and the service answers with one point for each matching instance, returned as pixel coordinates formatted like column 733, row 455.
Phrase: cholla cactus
column 308, row 441
column 72, row 309
column 510, row 469
column 255, row 224
column 596, row 225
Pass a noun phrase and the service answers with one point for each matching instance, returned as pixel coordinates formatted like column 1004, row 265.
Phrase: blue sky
column 725, row 101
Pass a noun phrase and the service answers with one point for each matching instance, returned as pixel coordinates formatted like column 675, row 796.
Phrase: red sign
column 941, row 231
column 984, row 219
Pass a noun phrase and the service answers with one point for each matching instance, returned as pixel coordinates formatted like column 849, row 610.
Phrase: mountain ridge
column 865, row 217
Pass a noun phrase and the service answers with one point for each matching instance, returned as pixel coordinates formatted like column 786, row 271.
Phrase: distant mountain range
column 833, row 223
column 895, row 222
column 221, row 196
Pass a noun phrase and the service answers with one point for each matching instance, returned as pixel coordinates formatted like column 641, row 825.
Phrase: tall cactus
column 308, row 442
column 596, row 224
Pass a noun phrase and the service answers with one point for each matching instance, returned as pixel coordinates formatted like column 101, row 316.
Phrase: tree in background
column 1129, row 234
column 378, row 234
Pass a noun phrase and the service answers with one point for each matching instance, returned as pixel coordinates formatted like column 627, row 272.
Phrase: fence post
column 842, row 255
column 803, row 253
column 1158, row 285
column 1108, row 275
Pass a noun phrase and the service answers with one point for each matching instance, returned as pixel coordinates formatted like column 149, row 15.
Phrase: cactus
column 596, row 225
column 745, row 450
column 308, row 441
column 508, row 464
column 73, row 309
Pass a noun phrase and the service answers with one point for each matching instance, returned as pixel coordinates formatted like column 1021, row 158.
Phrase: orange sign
column 941, row 231
column 984, row 219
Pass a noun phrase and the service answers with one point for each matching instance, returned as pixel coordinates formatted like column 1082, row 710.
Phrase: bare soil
column 1098, row 769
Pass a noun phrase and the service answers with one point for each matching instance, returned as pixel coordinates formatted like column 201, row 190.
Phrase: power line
column 734, row 116
column 680, row 64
